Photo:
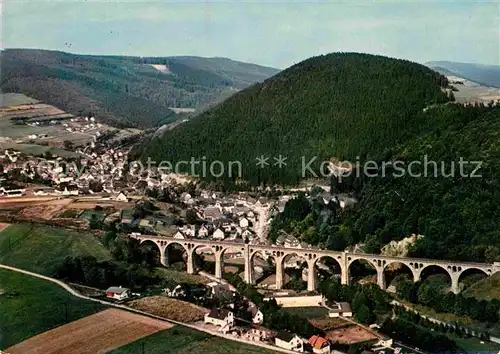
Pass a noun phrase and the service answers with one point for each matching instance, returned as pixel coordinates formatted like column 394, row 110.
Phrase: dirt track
column 97, row 333
column 3, row 226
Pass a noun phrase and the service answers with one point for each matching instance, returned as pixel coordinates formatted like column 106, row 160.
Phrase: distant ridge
column 126, row 91
column 488, row 75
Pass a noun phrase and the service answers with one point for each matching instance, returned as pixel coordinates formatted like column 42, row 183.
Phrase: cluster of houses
column 225, row 321
column 99, row 171
column 72, row 125
column 342, row 200
column 225, row 218
column 92, row 173
column 11, row 190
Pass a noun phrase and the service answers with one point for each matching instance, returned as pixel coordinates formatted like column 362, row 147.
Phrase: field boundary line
column 129, row 309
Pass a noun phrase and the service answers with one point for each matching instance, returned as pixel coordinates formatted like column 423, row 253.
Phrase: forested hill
column 125, row 91
column 341, row 105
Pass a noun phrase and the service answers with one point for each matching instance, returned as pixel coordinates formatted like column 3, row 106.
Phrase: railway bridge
column 311, row 256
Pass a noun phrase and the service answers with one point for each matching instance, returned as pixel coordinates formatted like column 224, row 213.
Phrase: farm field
column 308, row 312
column 350, row 334
column 31, row 305
column 35, row 128
column 97, row 333
column 37, row 150
column 176, row 310
column 42, row 248
column 14, row 99
column 70, row 212
column 38, row 209
column 342, row 331
column 181, row 276
column 182, row 340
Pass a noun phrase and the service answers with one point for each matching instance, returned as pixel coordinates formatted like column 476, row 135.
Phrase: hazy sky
column 269, row 33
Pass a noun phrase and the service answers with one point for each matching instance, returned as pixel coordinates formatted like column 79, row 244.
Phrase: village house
column 264, row 202
column 202, row 232
column 240, row 210
column 222, row 318
column 247, row 235
column 227, row 206
column 291, row 242
column 12, row 191
column 180, row 236
column 67, row 190
column 319, row 345
column 45, row 191
column 176, row 292
column 218, row 235
column 288, row 241
column 259, row 334
column 220, row 291
column 257, row 315
column 186, row 198
column 147, row 222
column 188, row 230
column 346, row 201
column 117, row 293
column 211, row 213
column 225, row 224
column 340, row 309
column 251, row 200
column 289, row 341
column 233, row 236
column 244, row 222
column 121, row 197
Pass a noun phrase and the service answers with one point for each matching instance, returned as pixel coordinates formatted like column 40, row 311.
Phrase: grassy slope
column 474, row 345
column 181, row 340
column 41, row 249
column 452, row 318
column 488, row 288
column 39, row 306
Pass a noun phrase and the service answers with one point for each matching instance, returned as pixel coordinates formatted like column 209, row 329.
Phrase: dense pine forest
column 125, row 91
column 459, row 215
column 338, row 105
column 456, row 212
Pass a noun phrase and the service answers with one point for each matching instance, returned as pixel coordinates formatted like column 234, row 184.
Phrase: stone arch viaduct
column 311, row 256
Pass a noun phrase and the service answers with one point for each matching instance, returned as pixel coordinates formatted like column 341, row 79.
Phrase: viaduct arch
column 454, row 268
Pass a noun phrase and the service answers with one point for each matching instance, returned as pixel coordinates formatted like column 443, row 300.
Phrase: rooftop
column 285, row 336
